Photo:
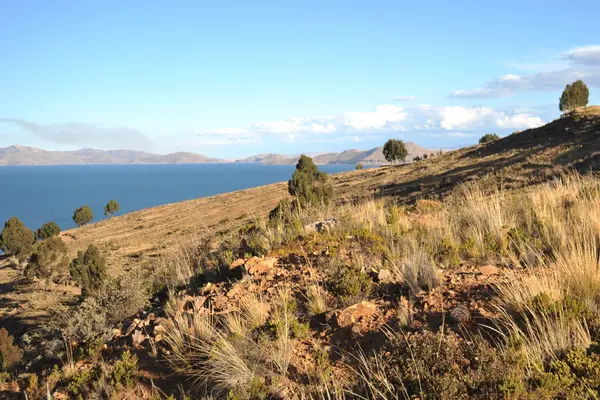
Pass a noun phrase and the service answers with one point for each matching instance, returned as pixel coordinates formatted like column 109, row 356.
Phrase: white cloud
column 85, row 135
column 385, row 119
column 583, row 64
column 586, row 55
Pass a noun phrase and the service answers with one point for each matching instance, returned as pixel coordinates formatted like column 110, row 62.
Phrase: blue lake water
column 38, row 194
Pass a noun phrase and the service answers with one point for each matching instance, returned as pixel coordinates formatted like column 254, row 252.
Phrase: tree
column 425, row 156
column 16, row 239
column 49, row 255
column 417, row 158
column 359, row 166
column 488, row 137
column 575, row 95
column 394, row 150
column 83, row 215
column 111, row 208
column 88, row 269
column 309, row 185
column 47, row 230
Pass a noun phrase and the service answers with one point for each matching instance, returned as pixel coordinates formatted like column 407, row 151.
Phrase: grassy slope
column 515, row 161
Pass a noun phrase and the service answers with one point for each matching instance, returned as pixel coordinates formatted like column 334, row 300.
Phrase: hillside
column 441, row 279
column 23, row 155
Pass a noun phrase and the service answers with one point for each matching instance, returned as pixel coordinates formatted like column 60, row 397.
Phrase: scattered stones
column 350, row 315
column 460, row 314
column 488, row 270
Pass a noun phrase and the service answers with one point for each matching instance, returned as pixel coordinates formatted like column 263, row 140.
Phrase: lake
column 38, row 194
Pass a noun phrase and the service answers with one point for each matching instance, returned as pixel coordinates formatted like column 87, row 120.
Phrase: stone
column 384, row 276
column 130, row 328
column 460, row 314
column 262, row 266
column 350, row 315
column 237, row 263
column 321, row 226
column 488, row 270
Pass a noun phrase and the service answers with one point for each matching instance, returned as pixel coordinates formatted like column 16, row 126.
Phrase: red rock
column 488, row 270
column 237, row 263
column 262, row 266
column 350, row 315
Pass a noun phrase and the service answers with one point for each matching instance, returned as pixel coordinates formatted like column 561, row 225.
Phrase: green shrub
column 48, row 257
column 47, row 230
column 309, row 185
column 124, row 370
column 350, row 284
column 111, row 208
column 488, row 137
column 359, row 166
column 16, row 239
column 83, row 215
column 88, row 269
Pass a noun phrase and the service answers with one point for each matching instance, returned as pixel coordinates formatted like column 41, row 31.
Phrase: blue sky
column 235, row 78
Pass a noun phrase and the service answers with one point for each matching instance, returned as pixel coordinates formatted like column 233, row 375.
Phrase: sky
column 236, row 78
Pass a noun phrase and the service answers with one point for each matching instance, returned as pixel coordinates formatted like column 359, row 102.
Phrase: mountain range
column 24, row 155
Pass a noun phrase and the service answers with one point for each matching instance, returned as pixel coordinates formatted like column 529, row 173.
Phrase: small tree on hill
column 88, row 269
column 309, row 185
column 111, row 208
column 425, row 156
column 359, row 166
column 49, row 256
column 16, row 239
column 417, row 159
column 83, row 215
column 394, row 150
column 488, row 137
column 47, row 230
column 575, row 95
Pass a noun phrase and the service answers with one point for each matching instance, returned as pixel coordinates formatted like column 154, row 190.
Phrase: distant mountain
column 23, row 155
column 372, row 156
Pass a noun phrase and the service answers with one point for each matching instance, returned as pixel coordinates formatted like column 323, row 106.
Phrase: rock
column 321, row 226
column 488, row 270
column 137, row 338
column 262, row 266
column 237, row 263
column 350, row 315
column 384, row 276
column 130, row 328
column 460, row 313
column 355, row 331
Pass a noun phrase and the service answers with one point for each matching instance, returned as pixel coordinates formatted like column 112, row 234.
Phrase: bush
column 359, row 166
column 488, row 137
column 350, row 284
column 47, row 230
column 88, row 269
column 83, row 215
column 440, row 366
column 16, row 239
column 575, row 95
column 309, row 185
column 48, row 256
column 111, row 208
column 394, row 150
column 124, row 369
column 10, row 354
